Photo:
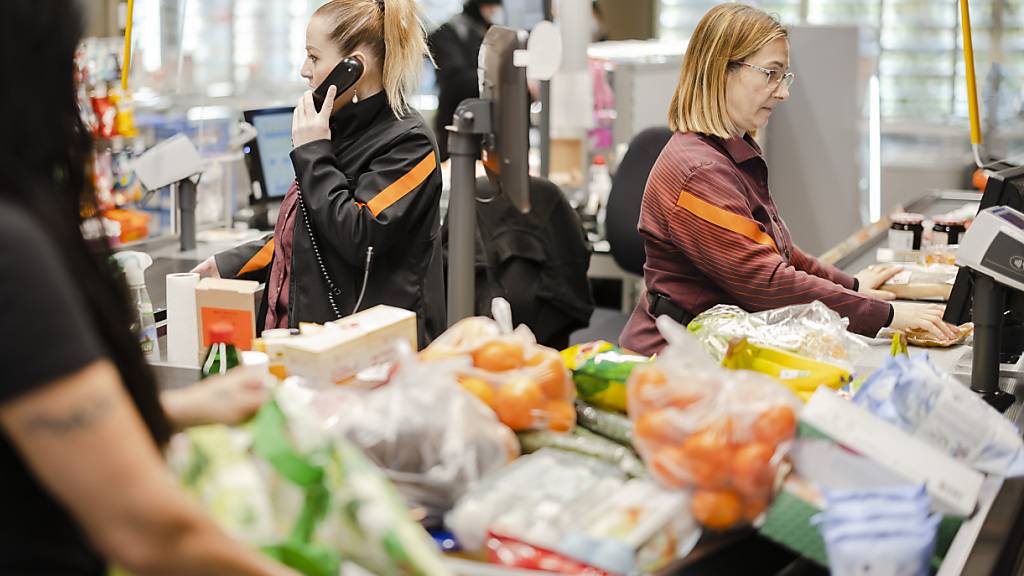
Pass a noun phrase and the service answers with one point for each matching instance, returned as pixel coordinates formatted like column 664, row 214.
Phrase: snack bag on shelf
column 800, row 374
column 911, row 393
column 600, row 371
column 813, row 330
column 526, row 384
column 721, row 433
column 308, row 500
column 432, row 438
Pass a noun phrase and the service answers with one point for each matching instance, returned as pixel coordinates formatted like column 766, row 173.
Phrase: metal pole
column 464, row 147
column 545, row 128
column 186, row 214
column 989, row 306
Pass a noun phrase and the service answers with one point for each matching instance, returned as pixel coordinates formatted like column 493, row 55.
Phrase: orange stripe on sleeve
column 260, row 261
column 724, row 219
column 399, row 188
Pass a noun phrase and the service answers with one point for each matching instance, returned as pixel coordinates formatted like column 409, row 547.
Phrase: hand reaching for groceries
column 207, row 268
column 230, row 399
column 926, row 317
column 870, row 278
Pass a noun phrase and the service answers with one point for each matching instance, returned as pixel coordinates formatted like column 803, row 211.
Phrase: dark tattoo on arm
column 77, row 419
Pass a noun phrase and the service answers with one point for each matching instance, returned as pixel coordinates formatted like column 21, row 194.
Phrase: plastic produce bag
column 911, row 393
column 600, row 371
column 432, row 438
column 327, row 502
column 558, row 503
column 526, row 384
column 812, row 330
column 611, row 425
column 800, row 374
column 722, row 433
column 582, row 441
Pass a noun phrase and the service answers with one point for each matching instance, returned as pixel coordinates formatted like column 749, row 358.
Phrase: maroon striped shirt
column 713, row 235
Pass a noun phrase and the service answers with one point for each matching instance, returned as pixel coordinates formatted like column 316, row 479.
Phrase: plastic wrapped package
column 600, row 371
column 309, row 500
column 722, row 433
column 922, row 282
column 614, row 426
column 911, row 393
column 582, row 441
column 812, row 330
column 432, row 438
column 526, row 384
column 552, row 510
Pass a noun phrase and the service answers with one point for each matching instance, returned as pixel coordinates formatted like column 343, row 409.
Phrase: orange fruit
column 518, row 402
column 478, row 388
column 774, row 425
column 716, row 509
column 648, row 387
column 708, row 457
column 551, row 374
column 667, row 463
column 752, row 471
column 561, row 415
column 657, row 427
column 499, row 356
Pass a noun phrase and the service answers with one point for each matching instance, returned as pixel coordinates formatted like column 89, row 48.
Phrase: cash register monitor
column 506, row 148
column 1005, row 187
column 267, row 156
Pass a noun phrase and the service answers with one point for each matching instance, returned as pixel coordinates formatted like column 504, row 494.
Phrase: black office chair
column 623, row 213
column 626, row 244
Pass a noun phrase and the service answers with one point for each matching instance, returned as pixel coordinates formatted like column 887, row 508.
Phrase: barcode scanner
column 344, row 75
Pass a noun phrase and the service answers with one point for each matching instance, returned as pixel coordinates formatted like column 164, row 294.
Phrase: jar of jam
column 906, row 231
column 948, row 231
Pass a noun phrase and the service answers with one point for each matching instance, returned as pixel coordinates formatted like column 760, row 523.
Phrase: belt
column 661, row 305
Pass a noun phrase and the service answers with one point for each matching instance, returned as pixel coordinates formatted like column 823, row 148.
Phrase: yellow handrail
column 127, row 47
column 972, row 87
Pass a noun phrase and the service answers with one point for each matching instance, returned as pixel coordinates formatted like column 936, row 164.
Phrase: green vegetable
column 585, row 443
column 611, row 425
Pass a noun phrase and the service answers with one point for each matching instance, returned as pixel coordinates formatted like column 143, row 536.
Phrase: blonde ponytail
column 394, row 31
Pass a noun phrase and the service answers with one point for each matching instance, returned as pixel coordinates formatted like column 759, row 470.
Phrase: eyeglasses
column 786, row 78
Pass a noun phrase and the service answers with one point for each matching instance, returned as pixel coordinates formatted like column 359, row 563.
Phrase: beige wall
column 100, row 17
column 628, row 19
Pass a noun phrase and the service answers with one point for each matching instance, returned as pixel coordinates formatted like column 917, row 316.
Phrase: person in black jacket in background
column 361, row 225
column 455, row 46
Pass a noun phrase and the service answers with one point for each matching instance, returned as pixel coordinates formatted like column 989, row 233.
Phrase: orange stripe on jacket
column 399, row 188
column 724, row 219
column 260, row 261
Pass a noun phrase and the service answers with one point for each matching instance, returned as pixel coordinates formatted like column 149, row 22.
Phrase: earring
column 355, row 98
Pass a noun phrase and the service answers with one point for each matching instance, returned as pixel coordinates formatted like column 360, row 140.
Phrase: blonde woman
column 360, row 225
column 712, row 232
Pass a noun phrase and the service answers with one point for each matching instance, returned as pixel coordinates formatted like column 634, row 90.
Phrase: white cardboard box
column 347, row 346
column 953, row 486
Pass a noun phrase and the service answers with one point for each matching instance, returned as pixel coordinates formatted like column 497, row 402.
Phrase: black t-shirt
column 45, row 334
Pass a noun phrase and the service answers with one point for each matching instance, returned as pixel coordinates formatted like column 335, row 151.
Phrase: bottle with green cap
column 223, row 355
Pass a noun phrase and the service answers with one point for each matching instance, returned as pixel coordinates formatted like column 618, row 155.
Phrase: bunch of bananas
column 800, row 374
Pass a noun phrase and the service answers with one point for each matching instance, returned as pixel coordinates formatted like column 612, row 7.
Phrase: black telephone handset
column 344, row 75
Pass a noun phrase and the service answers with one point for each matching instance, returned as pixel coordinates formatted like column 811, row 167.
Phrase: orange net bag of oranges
column 723, row 434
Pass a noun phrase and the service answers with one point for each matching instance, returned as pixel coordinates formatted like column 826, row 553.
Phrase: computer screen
column 267, row 156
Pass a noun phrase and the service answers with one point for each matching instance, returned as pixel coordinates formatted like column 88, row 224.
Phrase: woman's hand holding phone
column 309, row 125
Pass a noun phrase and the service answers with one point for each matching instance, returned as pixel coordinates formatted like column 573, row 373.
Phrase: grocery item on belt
column 526, row 384
column 721, row 433
column 611, row 425
column 917, row 337
column 922, row 282
column 911, row 393
column 308, row 500
column 431, row 438
column 878, row 531
column 800, row 374
column 813, row 330
column 600, row 371
column 587, row 443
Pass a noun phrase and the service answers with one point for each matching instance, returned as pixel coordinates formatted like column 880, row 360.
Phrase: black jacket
column 537, row 261
column 375, row 183
column 455, row 47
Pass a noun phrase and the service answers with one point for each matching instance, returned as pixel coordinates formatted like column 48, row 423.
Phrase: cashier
column 360, row 226
column 712, row 232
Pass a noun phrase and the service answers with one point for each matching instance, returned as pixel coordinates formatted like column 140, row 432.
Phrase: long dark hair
column 44, row 151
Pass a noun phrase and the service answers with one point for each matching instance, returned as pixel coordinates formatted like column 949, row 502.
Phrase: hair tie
column 380, row 4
